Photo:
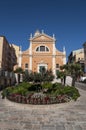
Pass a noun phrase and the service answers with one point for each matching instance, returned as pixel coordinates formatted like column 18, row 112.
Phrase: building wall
column 76, row 56
column 6, row 54
column 13, row 57
column 7, row 62
column 1, row 49
column 59, row 57
column 36, row 60
column 25, row 60
column 49, row 59
column 79, row 56
column 17, row 49
column 35, row 45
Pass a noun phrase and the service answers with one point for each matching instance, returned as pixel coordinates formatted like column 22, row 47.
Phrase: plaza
column 65, row 116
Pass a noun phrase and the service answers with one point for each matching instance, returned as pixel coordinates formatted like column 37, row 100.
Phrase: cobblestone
column 66, row 116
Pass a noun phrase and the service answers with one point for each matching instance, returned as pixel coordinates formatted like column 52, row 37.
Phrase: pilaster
column 54, row 59
column 30, row 54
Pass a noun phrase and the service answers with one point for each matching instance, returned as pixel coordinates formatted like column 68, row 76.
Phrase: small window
column 57, row 65
column 26, row 65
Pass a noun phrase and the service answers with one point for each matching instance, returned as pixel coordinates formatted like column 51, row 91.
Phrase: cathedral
column 42, row 53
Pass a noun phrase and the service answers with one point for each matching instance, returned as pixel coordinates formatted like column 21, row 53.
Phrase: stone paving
column 66, row 116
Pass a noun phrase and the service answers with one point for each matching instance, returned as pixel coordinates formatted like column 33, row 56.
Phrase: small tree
column 74, row 70
column 48, row 76
column 62, row 76
column 28, row 77
column 37, row 78
column 43, row 76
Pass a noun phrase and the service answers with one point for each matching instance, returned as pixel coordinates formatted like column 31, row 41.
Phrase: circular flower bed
column 38, row 99
column 41, row 94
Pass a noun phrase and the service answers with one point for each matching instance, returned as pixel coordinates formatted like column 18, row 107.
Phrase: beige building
column 17, row 51
column 7, row 55
column 77, row 56
column 42, row 53
column 7, row 62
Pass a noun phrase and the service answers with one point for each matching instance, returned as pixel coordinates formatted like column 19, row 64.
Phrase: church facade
column 42, row 53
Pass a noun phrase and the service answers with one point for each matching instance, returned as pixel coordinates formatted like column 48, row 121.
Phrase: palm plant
column 74, row 70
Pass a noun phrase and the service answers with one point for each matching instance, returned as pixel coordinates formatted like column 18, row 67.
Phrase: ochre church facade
column 42, row 53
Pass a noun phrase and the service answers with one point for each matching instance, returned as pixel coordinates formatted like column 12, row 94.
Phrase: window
column 57, row 65
column 47, row 49
column 37, row 49
column 26, row 65
column 42, row 69
column 42, row 48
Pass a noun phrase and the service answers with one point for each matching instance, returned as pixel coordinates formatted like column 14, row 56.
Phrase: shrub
column 25, row 85
column 20, row 90
column 70, row 91
column 28, row 77
column 47, row 85
column 56, row 93
column 35, row 87
column 43, row 76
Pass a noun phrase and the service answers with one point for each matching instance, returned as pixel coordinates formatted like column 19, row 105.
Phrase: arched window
column 42, row 49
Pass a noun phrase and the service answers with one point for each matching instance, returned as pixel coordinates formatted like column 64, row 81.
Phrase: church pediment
column 42, row 37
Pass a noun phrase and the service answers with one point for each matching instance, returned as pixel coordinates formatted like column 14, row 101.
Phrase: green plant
column 47, row 85
column 74, row 70
column 55, row 92
column 43, row 76
column 62, row 76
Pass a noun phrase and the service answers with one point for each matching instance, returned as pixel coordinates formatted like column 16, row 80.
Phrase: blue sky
column 65, row 18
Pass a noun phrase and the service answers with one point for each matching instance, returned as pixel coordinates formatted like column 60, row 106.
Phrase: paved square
column 66, row 116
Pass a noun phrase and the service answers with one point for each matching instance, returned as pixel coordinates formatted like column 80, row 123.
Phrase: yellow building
column 77, row 56
column 17, row 51
column 42, row 53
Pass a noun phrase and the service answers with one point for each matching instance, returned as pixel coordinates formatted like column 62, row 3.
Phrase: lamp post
column 84, row 45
